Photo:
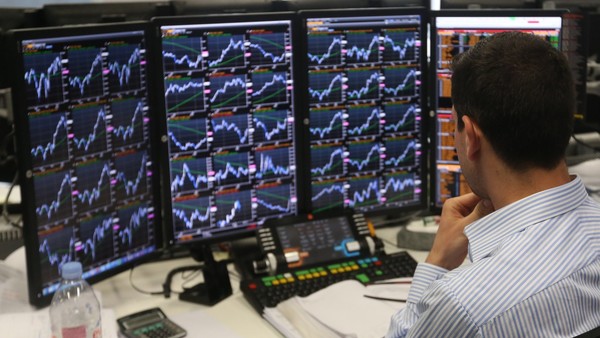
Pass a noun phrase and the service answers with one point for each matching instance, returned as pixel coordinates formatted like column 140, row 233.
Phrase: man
column 530, row 230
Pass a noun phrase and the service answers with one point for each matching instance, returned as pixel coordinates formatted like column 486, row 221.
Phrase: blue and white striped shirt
column 535, row 272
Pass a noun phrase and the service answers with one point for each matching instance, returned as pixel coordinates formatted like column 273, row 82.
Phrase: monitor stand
column 216, row 285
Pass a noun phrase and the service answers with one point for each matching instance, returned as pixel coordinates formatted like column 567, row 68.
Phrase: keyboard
column 269, row 291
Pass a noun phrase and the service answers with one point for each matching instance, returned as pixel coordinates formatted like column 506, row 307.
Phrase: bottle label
column 97, row 333
column 73, row 332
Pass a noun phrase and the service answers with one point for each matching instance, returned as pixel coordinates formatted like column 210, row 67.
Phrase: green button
column 363, row 278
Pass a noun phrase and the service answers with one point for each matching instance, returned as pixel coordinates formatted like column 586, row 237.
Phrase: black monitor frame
column 123, row 201
column 214, row 21
column 393, row 212
column 487, row 17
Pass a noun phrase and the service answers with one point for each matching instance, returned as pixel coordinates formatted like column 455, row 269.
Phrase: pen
column 389, row 299
column 388, row 283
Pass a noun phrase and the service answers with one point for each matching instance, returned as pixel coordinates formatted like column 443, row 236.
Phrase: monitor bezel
column 434, row 207
column 190, row 20
column 30, row 227
column 391, row 212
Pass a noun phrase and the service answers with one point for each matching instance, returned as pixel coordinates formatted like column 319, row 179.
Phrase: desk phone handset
column 305, row 241
column 151, row 323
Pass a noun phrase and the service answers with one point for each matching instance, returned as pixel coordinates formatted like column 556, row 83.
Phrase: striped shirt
column 534, row 272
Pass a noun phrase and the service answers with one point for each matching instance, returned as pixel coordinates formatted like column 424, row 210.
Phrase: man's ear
column 473, row 137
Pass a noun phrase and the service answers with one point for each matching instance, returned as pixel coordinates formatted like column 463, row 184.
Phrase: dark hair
column 519, row 90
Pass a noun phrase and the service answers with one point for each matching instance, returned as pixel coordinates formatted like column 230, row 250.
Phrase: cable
column 16, row 224
column 152, row 293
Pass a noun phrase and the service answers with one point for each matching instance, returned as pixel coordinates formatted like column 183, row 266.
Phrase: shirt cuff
column 425, row 274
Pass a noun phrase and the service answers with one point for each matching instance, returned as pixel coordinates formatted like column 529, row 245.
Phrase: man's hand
column 450, row 246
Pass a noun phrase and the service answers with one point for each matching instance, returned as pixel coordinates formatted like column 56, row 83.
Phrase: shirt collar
column 486, row 233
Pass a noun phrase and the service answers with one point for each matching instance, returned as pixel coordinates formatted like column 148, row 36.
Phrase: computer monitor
column 228, row 125
column 454, row 32
column 228, row 118
column 87, row 163
column 364, row 100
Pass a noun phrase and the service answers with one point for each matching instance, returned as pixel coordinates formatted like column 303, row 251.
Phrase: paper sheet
column 201, row 324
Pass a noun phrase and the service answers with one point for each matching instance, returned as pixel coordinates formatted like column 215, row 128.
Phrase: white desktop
column 232, row 317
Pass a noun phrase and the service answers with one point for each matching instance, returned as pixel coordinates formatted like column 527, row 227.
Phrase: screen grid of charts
column 454, row 35
column 230, row 126
column 89, row 149
column 365, row 102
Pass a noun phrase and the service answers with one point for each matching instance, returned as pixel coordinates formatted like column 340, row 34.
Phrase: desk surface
column 233, row 313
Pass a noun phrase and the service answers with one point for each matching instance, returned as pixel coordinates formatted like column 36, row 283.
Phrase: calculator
column 151, row 323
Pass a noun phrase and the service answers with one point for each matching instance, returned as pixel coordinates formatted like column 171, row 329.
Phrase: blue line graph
column 400, row 152
column 274, row 200
column 48, row 138
column 400, row 117
column 56, row 249
column 267, row 49
column 133, row 226
column 271, row 125
column 182, row 54
column 400, row 46
column 231, row 168
column 326, row 124
column 233, row 208
column 189, row 174
column 324, row 49
column 43, row 78
column 89, row 129
column 124, row 67
column 127, row 122
column 228, row 91
column 187, row 135
column 269, row 88
column 93, row 185
column 363, row 156
column 132, row 173
column 364, row 47
column 53, row 197
column 326, row 161
column 225, row 51
column 273, row 163
column 85, row 73
column 325, row 87
column 184, row 94
column 363, row 120
column 399, row 187
column 191, row 214
column 327, row 195
column 399, row 81
column 230, row 130
column 363, row 84
column 363, row 192
column 96, row 239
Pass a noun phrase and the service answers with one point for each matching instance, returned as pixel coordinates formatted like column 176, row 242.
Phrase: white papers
column 340, row 310
column 201, row 324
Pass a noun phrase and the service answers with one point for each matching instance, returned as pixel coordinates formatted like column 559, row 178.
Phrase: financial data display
column 229, row 126
column 88, row 145
column 365, row 100
column 452, row 36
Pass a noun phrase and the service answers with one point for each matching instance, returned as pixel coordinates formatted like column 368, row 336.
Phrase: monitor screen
column 228, row 117
column 454, row 32
column 86, row 161
column 364, row 101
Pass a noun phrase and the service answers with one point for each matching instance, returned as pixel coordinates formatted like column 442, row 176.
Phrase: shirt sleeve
column 429, row 307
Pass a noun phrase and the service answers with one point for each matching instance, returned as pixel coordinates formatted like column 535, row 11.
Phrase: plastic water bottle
column 75, row 310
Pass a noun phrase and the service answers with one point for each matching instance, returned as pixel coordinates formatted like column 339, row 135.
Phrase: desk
column 234, row 313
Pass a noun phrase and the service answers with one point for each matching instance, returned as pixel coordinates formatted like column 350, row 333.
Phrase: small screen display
column 317, row 241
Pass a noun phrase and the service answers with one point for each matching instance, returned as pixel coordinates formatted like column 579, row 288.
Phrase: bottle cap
column 71, row 270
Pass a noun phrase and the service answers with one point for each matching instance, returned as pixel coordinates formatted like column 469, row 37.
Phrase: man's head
column 519, row 91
